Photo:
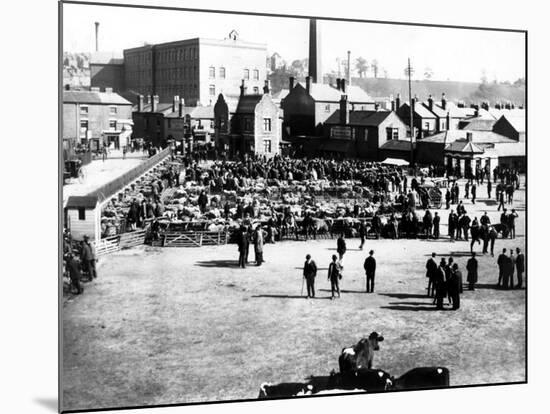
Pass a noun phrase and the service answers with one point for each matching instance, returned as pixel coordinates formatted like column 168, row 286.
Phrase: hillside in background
column 470, row 92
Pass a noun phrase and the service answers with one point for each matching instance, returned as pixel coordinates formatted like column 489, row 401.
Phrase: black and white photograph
column 268, row 206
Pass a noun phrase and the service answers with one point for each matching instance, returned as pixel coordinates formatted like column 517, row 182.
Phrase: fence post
column 200, row 239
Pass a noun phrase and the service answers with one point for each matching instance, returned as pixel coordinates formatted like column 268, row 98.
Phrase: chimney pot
column 443, row 101
column 338, row 84
column 140, row 103
column 180, row 107
column 175, row 103
column 266, row 86
column 398, row 101
column 343, row 86
column 308, row 84
column 290, row 83
column 430, row 102
column 108, row 90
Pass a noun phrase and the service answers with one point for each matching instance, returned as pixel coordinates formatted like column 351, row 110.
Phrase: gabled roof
column 517, row 121
column 478, row 137
column 366, row 118
column 103, row 58
column 247, row 104
column 89, row 97
column 436, row 110
column 464, row 146
column 419, row 109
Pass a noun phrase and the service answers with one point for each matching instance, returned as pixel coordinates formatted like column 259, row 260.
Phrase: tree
column 385, row 72
column 428, row 73
column 361, row 65
column 298, row 67
column 375, row 67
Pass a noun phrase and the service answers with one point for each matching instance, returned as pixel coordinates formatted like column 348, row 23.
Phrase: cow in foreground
column 371, row 380
column 284, row 389
column 361, row 354
column 421, row 378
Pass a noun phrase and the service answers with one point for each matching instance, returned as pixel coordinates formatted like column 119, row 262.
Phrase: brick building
column 93, row 118
column 197, row 70
column 107, row 71
column 254, row 128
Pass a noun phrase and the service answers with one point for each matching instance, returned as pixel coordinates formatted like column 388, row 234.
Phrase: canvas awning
column 395, row 161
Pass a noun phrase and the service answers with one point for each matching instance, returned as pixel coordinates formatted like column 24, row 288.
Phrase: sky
column 451, row 54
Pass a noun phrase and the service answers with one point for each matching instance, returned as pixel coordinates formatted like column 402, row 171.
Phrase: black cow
column 422, row 377
column 361, row 354
column 361, row 379
column 284, row 389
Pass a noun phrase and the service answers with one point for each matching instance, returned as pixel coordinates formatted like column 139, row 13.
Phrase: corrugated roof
column 90, row 97
column 367, row 118
column 397, row 145
column 478, row 137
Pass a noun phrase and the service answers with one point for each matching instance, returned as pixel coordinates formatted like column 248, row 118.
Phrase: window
column 83, row 128
column 211, row 72
column 222, row 73
column 169, row 123
column 256, row 90
column 247, row 124
column 267, row 124
column 427, row 126
column 112, row 124
column 246, row 74
column 81, row 213
column 112, row 110
column 392, row 133
column 256, row 74
column 267, row 145
column 212, row 90
column 327, row 108
column 83, row 109
column 442, row 124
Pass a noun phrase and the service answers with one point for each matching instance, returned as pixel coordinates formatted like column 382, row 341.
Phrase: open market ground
column 176, row 325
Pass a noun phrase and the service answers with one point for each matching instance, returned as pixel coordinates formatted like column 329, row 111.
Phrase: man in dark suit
column 454, row 285
column 334, row 276
column 74, row 273
column 471, row 267
column 310, row 271
column 431, row 270
column 501, row 262
column 440, row 285
column 474, row 193
column 370, row 269
column 520, row 267
column 341, row 246
column 436, row 221
column 243, row 242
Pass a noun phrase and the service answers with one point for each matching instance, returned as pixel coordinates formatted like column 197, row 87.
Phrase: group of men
column 87, row 264
column 335, row 271
column 245, row 237
column 445, row 280
column 507, row 264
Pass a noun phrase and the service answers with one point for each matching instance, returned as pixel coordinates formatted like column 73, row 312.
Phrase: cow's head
column 374, row 338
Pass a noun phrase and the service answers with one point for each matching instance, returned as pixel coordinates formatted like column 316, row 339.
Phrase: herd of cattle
column 357, row 375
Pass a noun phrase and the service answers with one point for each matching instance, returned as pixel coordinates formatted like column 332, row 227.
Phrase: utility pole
column 409, row 72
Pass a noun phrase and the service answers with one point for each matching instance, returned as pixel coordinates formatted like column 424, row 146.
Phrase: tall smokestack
column 96, row 36
column 348, row 75
column 314, row 64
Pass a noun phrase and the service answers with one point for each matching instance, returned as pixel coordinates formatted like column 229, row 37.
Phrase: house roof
column 397, row 145
column 247, row 104
column 478, row 124
column 162, row 107
column 325, row 92
column 89, row 97
column 420, row 110
column 478, row 137
column 104, row 58
column 81, row 202
column 516, row 120
column 367, row 118
column 464, row 146
column 517, row 149
column 436, row 110
column 198, row 112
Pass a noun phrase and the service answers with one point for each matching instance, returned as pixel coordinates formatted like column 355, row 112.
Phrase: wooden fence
column 193, row 239
column 113, row 244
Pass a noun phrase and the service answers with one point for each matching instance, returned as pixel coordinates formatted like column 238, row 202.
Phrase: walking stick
column 302, row 291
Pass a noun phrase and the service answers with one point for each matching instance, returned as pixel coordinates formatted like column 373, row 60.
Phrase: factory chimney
column 344, row 111
column 96, row 36
column 314, row 63
column 348, row 75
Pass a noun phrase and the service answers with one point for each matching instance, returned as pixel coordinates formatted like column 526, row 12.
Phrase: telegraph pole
column 411, row 123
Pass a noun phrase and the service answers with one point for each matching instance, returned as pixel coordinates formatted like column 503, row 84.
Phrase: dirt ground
column 179, row 325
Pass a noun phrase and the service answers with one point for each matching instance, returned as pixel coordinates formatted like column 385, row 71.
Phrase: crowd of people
column 79, row 261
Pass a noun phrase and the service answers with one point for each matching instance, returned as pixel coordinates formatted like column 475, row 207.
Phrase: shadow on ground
column 218, row 263
column 287, row 297
column 48, row 403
